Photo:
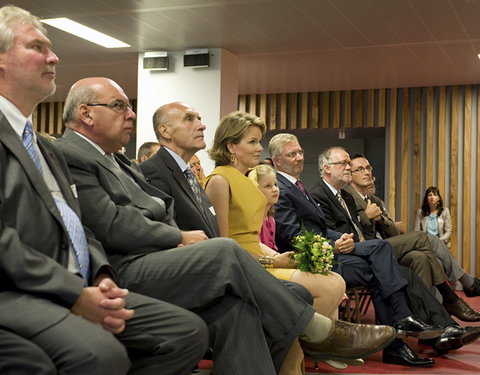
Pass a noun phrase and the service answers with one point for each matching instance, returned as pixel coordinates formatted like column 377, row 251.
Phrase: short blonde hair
column 231, row 130
column 9, row 15
column 277, row 141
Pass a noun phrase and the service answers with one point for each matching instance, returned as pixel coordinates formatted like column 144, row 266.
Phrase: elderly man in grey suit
column 179, row 130
column 57, row 289
column 252, row 318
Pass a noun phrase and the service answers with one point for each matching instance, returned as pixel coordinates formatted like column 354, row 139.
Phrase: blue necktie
column 70, row 218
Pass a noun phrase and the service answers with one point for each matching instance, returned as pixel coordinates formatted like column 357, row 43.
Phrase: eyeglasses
column 118, row 106
column 343, row 163
column 363, row 169
column 292, row 154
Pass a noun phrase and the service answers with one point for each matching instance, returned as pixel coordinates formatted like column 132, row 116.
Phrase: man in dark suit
column 370, row 263
column 57, row 289
column 252, row 318
column 179, row 130
column 335, row 171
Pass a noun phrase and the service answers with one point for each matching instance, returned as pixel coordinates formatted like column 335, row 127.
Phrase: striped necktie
column 344, row 206
column 70, row 218
column 194, row 184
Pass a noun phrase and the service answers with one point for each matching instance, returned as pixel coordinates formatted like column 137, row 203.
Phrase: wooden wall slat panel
column 336, row 109
column 392, row 150
column 405, row 175
column 325, row 110
column 442, row 139
column 348, row 109
column 358, row 109
column 429, row 152
column 454, row 164
column 381, row 108
column 283, row 111
column 315, row 110
column 416, row 193
column 477, row 177
column 370, row 108
column 304, row 120
column 467, row 162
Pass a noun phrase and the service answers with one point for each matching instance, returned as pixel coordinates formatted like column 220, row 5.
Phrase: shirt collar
column 289, row 177
column 16, row 119
column 97, row 147
column 331, row 187
column 181, row 163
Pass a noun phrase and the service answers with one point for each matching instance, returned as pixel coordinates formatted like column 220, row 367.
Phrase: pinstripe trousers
column 252, row 318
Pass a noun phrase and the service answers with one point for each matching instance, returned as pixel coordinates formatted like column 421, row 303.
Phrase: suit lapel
column 185, row 186
column 11, row 141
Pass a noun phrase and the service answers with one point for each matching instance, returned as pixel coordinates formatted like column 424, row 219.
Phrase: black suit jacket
column 33, row 239
column 163, row 172
column 294, row 209
column 335, row 215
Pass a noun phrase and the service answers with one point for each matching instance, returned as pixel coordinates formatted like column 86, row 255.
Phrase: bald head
column 98, row 108
column 179, row 127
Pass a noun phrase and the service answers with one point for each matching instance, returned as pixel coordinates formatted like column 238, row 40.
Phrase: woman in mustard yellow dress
column 239, row 206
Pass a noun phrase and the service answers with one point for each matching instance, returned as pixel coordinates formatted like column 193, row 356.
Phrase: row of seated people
column 78, row 224
column 238, row 207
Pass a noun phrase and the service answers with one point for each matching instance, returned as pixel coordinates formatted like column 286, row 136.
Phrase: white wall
column 212, row 91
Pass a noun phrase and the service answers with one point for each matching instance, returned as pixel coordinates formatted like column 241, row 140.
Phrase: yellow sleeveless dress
column 245, row 214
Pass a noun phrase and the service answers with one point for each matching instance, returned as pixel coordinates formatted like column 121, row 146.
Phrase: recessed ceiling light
column 478, row 55
column 85, row 32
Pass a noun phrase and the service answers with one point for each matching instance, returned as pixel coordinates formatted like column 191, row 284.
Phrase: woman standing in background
column 433, row 218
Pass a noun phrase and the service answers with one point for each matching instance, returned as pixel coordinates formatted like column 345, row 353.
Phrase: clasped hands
column 105, row 305
column 345, row 244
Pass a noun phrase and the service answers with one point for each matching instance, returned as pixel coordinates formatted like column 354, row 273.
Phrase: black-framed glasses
column 363, row 169
column 343, row 163
column 118, row 105
column 292, row 154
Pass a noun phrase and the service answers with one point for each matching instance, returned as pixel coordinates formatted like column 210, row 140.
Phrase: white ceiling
column 283, row 45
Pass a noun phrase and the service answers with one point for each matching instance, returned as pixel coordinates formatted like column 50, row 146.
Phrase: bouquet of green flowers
column 313, row 252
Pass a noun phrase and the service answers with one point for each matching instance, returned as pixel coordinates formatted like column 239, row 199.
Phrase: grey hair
column 78, row 95
column 11, row 15
column 277, row 141
column 325, row 158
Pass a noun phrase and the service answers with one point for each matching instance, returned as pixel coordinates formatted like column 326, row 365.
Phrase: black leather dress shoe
column 462, row 311
column 406, row 357
column 474, row 290
column 349, row 341
column 413, row 326
column 453, row 338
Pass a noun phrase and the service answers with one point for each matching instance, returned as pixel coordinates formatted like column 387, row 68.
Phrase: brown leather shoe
column 462, row 311
column 350, row 341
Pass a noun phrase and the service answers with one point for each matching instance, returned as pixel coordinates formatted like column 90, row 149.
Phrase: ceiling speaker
column 155, row 61
column 196, row 58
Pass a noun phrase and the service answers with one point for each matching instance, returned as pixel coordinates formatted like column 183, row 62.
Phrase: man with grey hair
column 57, row 289
column 369, row 263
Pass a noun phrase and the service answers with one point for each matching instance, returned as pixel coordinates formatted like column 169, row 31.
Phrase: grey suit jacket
column 34, row 279
column 163, row 172
column 128, row 225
